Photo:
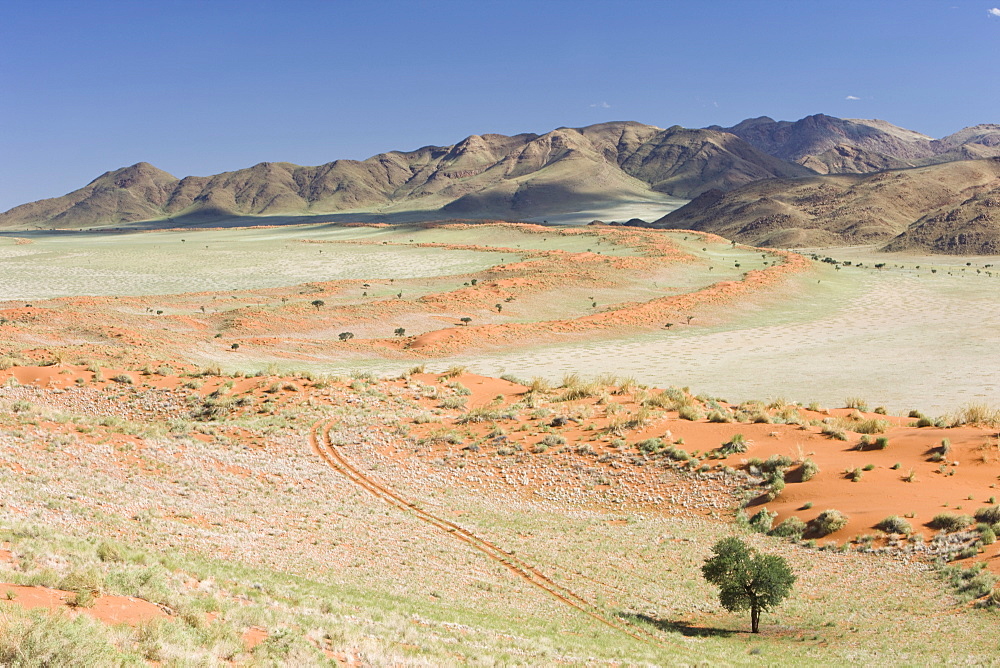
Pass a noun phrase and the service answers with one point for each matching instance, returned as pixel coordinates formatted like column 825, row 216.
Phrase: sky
column 197, row 88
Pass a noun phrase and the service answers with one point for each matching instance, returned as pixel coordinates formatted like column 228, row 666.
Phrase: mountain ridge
column 490, row 175
column 952, row 207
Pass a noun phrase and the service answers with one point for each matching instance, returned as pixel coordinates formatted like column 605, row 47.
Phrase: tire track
column 321, row 444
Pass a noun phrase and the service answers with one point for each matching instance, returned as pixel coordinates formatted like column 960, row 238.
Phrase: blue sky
column 203, row 87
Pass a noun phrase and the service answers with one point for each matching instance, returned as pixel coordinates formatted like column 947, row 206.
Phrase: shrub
column 552, row 440
column 828, row 521
column 677, row 454
column 894, row 524
column 989, row 514
column 762, row 520
column 452, row 403
column 975, row 582
column 720, row 416
column 738, row 443
column 977, row 414
column 857, row 403
column 775, row 489
column 949, row 522
column 808, row 469
column 662, row 400
column 864, row 426
column 650, row 445
column 775, row 463
column 792, row 527
column 881, row 443
column 833, row 432
column 986, row 534
column 483, row 414
column 855, row 474
column 689, row 413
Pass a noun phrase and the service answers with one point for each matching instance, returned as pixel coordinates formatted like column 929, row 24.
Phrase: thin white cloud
column 601, row 105
column 994, row 12
column 852, row 97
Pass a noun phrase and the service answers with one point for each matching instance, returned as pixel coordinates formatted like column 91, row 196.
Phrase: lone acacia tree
column 747, row 579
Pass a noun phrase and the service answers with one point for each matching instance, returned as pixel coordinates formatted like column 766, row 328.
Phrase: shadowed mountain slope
column 940, row 208
column 482, row 176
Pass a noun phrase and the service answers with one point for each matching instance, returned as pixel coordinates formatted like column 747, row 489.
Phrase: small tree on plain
column 400, row 331
column 466, row 320
column 747, row 580
column 345, row 336
column 317, row 303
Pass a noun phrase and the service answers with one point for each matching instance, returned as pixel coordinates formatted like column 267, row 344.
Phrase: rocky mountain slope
column 950, row 207
column 482, row 176
column 830, row 145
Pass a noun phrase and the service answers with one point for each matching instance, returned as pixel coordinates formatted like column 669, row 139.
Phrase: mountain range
column 817, row 181
column 481, row 176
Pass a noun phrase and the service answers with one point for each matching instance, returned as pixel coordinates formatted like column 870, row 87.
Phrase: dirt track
column 321, row 444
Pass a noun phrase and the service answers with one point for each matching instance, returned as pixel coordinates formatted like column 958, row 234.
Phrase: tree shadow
column 670, row 626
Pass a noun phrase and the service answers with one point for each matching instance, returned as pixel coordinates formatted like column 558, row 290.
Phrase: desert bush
column 454, row 371
column 483, row 414
column 689, row 413
column 650, row 445
column 677, row 454
column 977, row 414
column 736, row 444
column 833, row 432
column 856, row 403
column 452, row 403
column 776, row 463
column 720, row 416
column 869, row 426
column 776, row 486
column 894, row 524
column 460, row 390
column 661, row 400
column 948, row 522
column 828, row 521
column 638, row 419
column 808, row 469
column 987, row 536
column 540, row 385
column 762, row 520
column 969, row 583
column 579, row 391
column 989, row 514
column 793, row 527
column 855, row 474
column 552, row 440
